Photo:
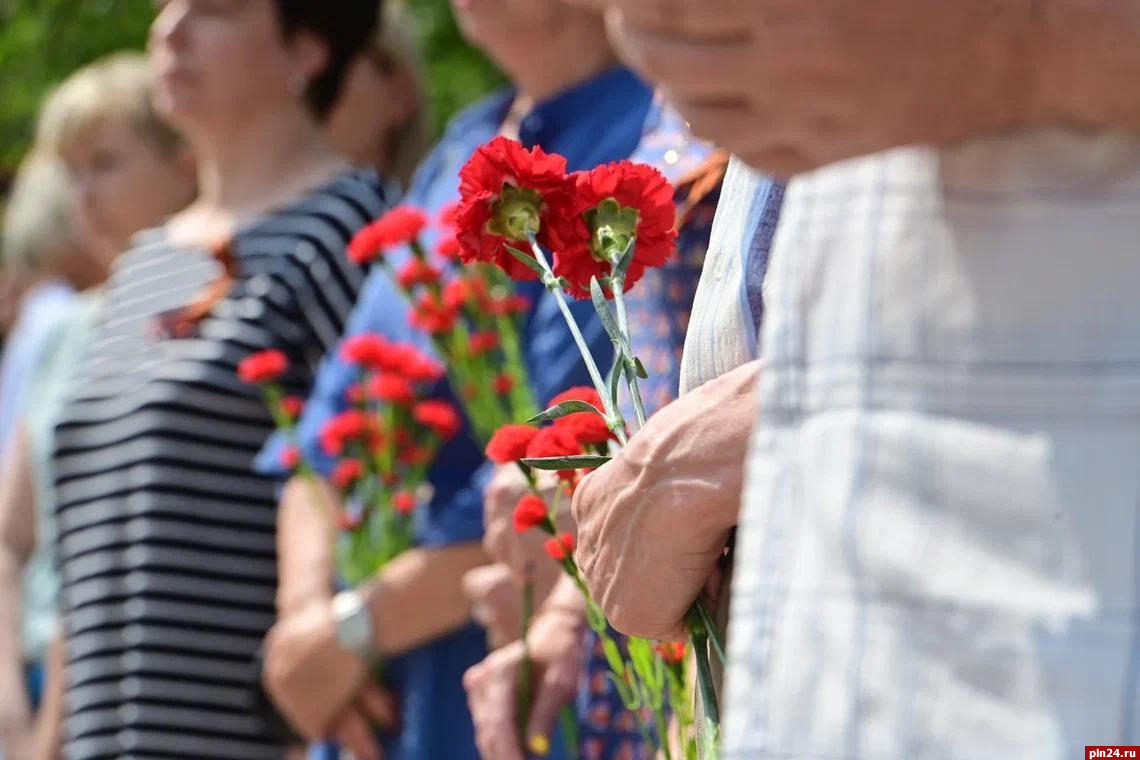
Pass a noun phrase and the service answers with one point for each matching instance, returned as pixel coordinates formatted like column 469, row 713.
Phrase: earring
column 298, row 84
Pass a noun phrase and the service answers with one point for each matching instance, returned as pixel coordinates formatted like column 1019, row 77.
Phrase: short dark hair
column 345, row 26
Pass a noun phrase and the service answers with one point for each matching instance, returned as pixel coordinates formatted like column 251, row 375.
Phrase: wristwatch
column 353, row 624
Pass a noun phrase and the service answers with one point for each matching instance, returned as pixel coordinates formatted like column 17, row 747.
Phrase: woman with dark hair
column 166, row 534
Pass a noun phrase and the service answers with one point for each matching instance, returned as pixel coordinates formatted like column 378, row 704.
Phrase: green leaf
column 582, row 462
column 528, row 260
column 602, row 306
column 565, row 409
column 639, row 368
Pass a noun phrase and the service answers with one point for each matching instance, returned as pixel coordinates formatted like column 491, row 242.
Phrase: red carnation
column 263, row 367
column 293, row 406
column 510, row 443
column 348, row 426
column 561, row 548
column 290, row 457
column 509, row 306
column 422, row 369
column 404, row 502
column 448, row 248
column 448, row 213
column 672, row 652
column 504, row 384
column 400, row 226
column 368, row 350
column 484, row 342
column 613, row 204
column 506, row 191
column 417, row 272
column 587, row 428
column 465, row 291
column 415, row 455
column 392, row 388
column 347, row 472
column 530, row 512
column 431, row 315
column 440, row 416
column 554, row 442
column 348, row 522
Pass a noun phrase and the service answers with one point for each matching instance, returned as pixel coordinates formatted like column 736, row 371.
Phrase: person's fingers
column 556, row 689
column 379, row 705
column 354, row 734
column 491, row 695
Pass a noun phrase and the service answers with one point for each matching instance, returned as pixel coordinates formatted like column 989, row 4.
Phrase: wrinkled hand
column 653, row 522
column 557, row 657
column 522, row 553
column 790, row 85
column 321, row 688
column 496, row 602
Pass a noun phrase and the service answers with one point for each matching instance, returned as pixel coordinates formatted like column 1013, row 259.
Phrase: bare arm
column 17, row 542
column 305, row 535
column 49, row 722
column 419, row 597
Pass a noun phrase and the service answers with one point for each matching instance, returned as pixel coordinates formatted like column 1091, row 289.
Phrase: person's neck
column 262, row 163
column 567, row 60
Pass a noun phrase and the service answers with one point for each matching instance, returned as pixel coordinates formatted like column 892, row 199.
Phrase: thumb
column 556, row 690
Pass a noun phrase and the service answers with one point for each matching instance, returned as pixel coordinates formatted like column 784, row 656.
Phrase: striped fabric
column 166, row 537
column 939, row 554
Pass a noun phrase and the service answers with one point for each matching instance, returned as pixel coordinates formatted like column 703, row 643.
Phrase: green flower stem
column 618, row 287
column 526, row 669
column 705, row 613
column 704, row 668
column 523, row 404
column 569, row 722
column 583, row 348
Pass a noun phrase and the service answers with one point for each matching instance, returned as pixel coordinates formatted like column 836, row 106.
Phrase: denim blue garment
column 593, row 123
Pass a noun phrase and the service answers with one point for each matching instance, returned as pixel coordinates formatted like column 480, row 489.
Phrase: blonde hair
column 395, row 53
column 115, row 88
column 39, row 226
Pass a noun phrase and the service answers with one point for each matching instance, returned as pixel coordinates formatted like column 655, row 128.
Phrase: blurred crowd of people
column 892, row 398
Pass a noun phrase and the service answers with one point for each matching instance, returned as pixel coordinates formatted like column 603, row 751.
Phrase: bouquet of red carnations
column 585, row 235
column 471, row 314
column 383, row 445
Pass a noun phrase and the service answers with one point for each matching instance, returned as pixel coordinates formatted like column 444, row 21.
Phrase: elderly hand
column 496, row 602
column 790, row 85
column 653, row 522
column 557, row 657
column 321, row 688
column 522, row 553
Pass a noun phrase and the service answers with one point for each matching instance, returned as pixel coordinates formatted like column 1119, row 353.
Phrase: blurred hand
column 321, row 688
column 790, row 86
column 653, row 522
column 19, row 744
column 496, row 602
column 557, row 657
column 523, row 553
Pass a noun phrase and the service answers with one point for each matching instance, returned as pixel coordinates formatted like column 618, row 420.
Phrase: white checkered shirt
column 939, row 555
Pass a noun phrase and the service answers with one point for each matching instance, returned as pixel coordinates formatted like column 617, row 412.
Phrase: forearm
column 15, row 711
column 49, row 722
column 419, row 596
column 305, row 544
column 1089, row 53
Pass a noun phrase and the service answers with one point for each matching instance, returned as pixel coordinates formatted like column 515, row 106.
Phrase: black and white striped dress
column 166, row 535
